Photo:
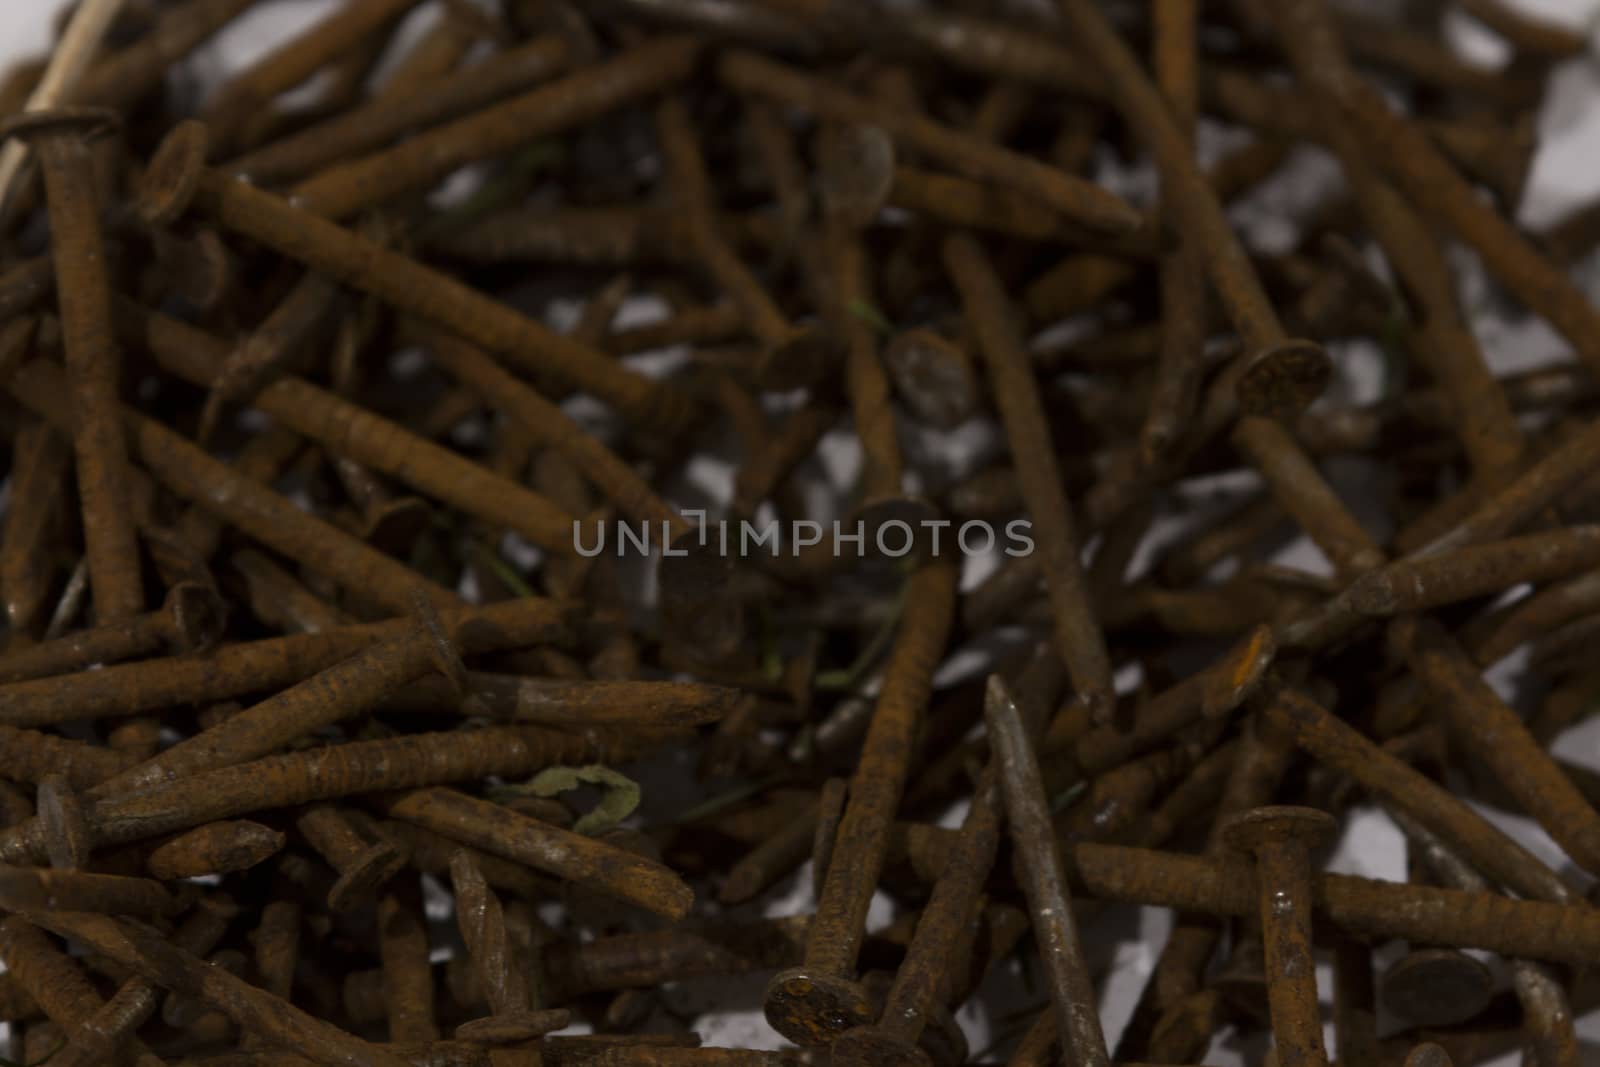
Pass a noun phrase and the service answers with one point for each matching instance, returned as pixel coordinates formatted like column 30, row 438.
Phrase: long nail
column 1488, row 431
column 1174, row 52
column 1261, row 760
column 129, row 74
column 55, row 981
column 369, row 127
column 550, row 427
column 1448, row 577
column 1493, row 732
column 1341, row 747
column 434, row 55
column 421, row 161
column 780, row 161
column 255, row 1010
column 1427, row 60
column 483, row 928
column 258, row 666
column 177, row 177
column 1045, row 883
column 1210, row 693
column 27, row 890
column 643, row 960
column 792, row 355
column 1078, row 200
column 92, row 360
column 512, row 698
column 1438, row 190
column 606, row 236
column 1078, row 637
column 924, row 979
column 840, row 270
column 273, row 519
column 364, row 436
column 1492, row 637
column 340, row 692
column 100, row 1035
column 412, row 762
column 1281, row 376
column 1487, row 518
column 1281, row 840
column 504, row 833
column 1301, row 491
column 818, row 1000
column 266, row 353
column 242, row 96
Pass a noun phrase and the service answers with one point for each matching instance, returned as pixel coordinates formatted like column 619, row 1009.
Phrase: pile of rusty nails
column 319, row 730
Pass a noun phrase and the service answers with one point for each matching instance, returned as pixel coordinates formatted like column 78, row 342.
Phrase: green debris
column 869, row 314
column 1396, row 352
column 851, row 677
column 1067, row 797
column 722, row 801
column 619, row 797
column 496, row 564
column 499, row 191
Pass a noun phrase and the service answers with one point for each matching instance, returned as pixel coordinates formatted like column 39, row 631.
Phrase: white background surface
column 1567, row 173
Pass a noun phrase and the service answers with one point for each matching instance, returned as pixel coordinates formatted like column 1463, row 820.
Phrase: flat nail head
column 370, row 870
column 1251, row 830
column 86, row 122
column 812, row 1009
column 197, row 614
column 1437, row 987
column 173, row 176
column 855, row 172
column 1284, row 378
column 935, row 377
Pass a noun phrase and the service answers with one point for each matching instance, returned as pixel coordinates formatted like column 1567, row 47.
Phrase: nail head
column 173, row 177
column 1284, row 378
column 85, row 122
column 811, row 1008
column 1250, row 830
